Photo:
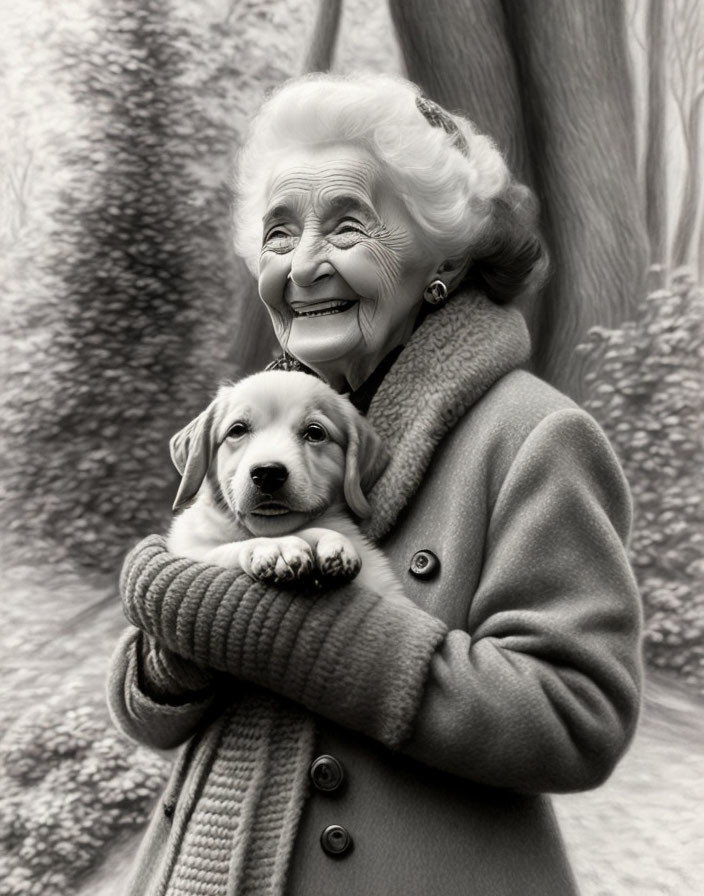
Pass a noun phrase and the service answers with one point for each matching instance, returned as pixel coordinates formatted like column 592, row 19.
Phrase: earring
column 435, row 293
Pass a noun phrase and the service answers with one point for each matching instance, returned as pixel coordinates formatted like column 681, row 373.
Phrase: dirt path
column 642, row 833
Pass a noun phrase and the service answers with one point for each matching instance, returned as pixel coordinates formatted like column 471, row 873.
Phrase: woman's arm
column 540, row 693
column 346, row 653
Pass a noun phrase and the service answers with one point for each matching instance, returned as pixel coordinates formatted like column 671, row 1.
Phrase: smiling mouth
column 318, row 309
column 270, row 508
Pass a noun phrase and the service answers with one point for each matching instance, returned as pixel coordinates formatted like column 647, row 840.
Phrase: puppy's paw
column 258, row 558
column 276, row 559
column 336, row 556
column 295, row 560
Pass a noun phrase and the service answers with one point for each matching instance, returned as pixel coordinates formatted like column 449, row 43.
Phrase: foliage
column 646, row 388
column 69, row 787
column 122, row 306
column 129, row 295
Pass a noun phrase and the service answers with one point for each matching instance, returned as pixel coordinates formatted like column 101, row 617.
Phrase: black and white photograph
column 351, row 496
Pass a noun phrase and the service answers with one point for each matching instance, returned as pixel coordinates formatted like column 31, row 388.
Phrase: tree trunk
column 700, row 252
column 550, row 81
column 456, row 50
column 322, row 44
column 655, row 161
column 683, row 243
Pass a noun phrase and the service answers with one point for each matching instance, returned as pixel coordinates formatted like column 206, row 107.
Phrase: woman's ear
column 192, row 451
column 365, row 460
column 452, row 271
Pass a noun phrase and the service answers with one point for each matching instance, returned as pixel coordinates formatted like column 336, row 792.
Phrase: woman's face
column 342, row 268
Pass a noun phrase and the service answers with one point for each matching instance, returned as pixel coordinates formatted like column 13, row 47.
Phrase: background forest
column 123, row 305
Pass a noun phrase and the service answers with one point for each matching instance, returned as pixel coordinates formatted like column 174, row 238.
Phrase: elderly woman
column 338, row 742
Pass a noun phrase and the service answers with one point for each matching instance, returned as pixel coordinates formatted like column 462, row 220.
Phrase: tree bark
column 655, row 161
column 322, row 44
column 683, row 243
column 456, row 50
column 550, row 82
column 700, row 251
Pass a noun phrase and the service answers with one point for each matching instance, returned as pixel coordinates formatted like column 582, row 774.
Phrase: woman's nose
column 308, row 260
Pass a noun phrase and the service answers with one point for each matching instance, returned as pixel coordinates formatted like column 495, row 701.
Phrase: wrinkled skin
column 357, row 262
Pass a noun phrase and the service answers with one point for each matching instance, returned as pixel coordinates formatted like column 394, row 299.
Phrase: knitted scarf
column 237, row 835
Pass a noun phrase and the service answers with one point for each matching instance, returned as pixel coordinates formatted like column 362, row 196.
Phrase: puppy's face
column 279, row 448
column 281, row 462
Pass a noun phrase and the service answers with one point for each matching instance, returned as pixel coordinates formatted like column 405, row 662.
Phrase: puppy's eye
column 314, row 432
column 237, row 430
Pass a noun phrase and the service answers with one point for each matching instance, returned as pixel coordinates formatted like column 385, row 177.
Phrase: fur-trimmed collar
column 452, row 359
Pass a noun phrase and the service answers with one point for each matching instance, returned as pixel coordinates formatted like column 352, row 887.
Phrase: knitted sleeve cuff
column 347, row 653
column 138, row 711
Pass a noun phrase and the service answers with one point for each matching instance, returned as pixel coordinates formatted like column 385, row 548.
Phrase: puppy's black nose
column 269, row 477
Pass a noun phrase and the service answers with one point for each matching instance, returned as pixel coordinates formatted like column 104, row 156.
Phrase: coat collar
column 451, row 360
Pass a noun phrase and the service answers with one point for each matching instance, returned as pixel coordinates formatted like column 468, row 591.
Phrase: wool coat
column 340, row 743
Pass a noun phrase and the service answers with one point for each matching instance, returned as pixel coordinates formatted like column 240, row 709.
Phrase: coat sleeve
column 346, row 653
column 154, row 696
column 542, row 691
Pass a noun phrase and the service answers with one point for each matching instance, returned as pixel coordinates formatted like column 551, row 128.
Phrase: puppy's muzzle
column 269, row 478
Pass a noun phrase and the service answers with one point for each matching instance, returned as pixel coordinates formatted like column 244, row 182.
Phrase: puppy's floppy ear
column 365, row 461
column 192, row 451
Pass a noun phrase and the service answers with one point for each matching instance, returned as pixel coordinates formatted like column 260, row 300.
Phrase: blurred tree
column 143, row 306
column 655, row 154
column 322, row 42
column 551, row 82
column 687, row 85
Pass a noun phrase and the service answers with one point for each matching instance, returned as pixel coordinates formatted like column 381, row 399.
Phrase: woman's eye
column 314, row 432
column 237, row 430
column 349, row 225
column 278, row 239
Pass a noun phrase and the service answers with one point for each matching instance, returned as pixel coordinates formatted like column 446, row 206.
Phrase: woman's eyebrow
column 282, row 210
column 346, row 203
column 334, row 205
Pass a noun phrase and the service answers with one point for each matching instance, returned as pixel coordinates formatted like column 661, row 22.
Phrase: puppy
column 270, row 473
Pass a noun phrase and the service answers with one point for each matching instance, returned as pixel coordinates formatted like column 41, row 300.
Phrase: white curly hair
column 457, row 189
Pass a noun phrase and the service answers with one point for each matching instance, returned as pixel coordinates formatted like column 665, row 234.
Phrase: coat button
column 336, row 840
column 424, row 564
column 327, row 773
